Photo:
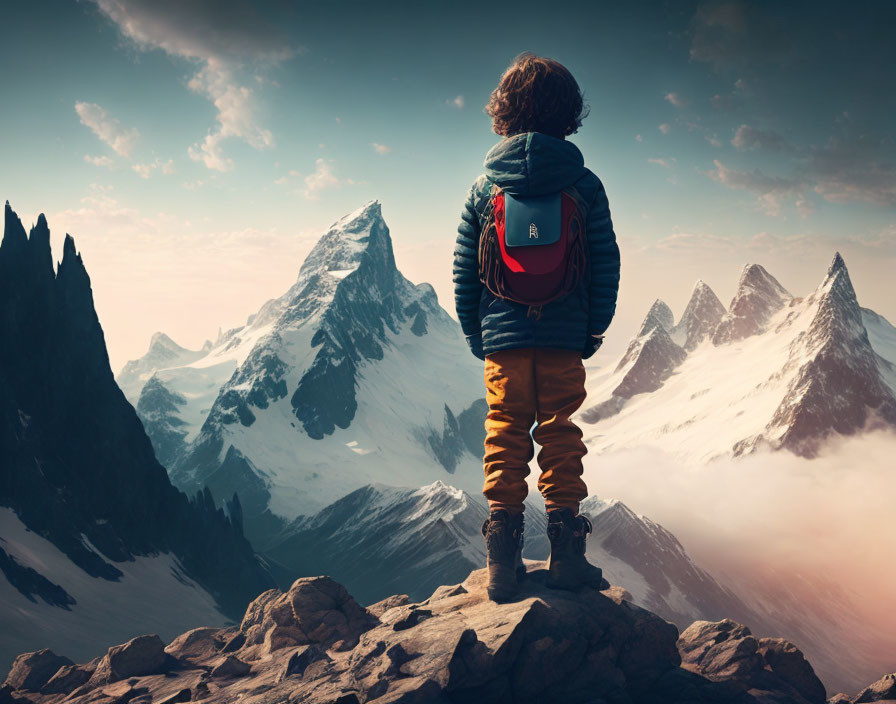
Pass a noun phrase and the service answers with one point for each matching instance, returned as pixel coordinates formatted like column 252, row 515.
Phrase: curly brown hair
column 536, row 94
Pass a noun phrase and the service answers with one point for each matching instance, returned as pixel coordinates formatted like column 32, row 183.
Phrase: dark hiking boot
column 503, row 534
column 568, row 568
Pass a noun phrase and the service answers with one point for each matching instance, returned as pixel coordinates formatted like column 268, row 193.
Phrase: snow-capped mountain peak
column 360, row 234
column 701, row 317
column 782, row 372
column 758, row 297
column 659, row 315
column 839, row 383
column 333, row 385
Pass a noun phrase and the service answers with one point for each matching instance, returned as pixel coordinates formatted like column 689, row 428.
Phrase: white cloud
column 675, row 99
column 665, row 163
column 746, row 137
column 457, row 101
column 287, row 178
column 827, row 516
column 665, row 128
column 772, row 191
column 322, row 178
column 235, row 115
column 223, row 37
column 99, row 160
column 107, row 128
column 145, row 170
column 380, row 148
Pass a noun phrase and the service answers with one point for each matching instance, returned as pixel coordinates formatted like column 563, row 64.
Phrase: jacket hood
column 533, row 163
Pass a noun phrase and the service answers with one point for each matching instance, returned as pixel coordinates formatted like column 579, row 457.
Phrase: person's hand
column 475, row 343
column 592, row 344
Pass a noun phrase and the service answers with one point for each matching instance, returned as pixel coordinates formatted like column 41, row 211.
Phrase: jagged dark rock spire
column 75, row 462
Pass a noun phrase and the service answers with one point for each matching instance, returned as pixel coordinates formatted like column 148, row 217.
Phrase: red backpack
column 532, row 249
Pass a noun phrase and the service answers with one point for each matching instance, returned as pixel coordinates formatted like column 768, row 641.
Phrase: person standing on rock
column 536, row 275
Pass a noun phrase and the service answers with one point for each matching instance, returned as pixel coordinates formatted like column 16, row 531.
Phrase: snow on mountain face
column 353, row 376
column 163, row 353
column 701, row 317
column 97, row 611
column 777, row 371
column 659, row 315
column 839, row 384
column 758, row 297
column 648, row 361
column 379, row 540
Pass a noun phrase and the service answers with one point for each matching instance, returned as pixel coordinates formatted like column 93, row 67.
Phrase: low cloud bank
column 831, row 517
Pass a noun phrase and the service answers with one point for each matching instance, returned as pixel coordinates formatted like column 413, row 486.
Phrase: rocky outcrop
column 315, row 643
column 31, row 671
column 884, row 690
column 768, row 669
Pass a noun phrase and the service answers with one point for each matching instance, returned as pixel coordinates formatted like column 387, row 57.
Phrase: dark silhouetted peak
column 701, row 316
column 39, row 248
column 758, row 297
column 85, row 473
column 72, row 276
column 14, row 237
column 659, row 315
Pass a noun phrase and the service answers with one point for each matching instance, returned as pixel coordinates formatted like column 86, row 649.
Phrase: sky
column 196, row 150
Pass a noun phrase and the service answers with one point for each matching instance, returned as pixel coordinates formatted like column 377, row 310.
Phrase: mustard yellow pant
column 526, row 387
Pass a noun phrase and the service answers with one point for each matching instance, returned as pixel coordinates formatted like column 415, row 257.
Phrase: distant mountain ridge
column 353, row 376
column 379, row 539
column 770, row 371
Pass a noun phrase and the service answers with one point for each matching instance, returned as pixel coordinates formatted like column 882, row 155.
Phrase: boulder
column 195, row 646
column 67, row 679
column 31, row 671
column 231, row 666
column 770, row 669
column 720, row 650
column 315, row 610
column 785, row 660
column 143, row 655
column 882, row 690
column 390, row 602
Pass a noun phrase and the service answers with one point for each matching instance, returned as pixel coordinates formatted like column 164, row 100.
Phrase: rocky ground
column 315, row 643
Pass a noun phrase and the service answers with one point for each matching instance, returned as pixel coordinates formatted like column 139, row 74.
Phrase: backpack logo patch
column 533, row 231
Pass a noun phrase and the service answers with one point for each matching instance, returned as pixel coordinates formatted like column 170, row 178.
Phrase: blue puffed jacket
column 526, row 165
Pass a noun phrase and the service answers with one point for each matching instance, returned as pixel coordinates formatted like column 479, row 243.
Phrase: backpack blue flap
column 532, row 220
